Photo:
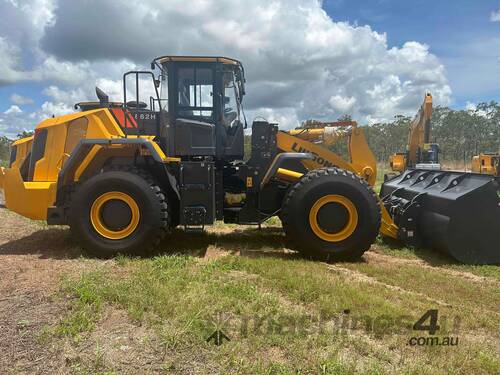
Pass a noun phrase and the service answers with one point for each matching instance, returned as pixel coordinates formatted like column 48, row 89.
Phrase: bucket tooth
column 454, row 212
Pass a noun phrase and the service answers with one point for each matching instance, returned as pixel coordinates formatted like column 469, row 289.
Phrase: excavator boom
column 419, row 150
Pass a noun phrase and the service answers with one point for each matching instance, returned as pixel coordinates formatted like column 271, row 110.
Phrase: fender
column 56, row 214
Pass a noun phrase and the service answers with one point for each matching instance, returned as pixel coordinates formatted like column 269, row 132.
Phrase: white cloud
column 40, row 12
column 472, row 107
column 9, row 61
column 495, row 16
column 50, row 109
column 300, row 63
column 20, row 99
column 341, row 104
column 13, row 109
column 65, row 96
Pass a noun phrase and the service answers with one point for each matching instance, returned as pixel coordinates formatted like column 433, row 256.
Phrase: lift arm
column 362, row 161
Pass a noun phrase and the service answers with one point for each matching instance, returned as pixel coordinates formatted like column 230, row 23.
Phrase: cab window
column 195, row 90
column 231, row 105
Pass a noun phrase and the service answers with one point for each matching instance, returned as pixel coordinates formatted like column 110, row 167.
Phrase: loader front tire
column 331, row 214
column 119, row 211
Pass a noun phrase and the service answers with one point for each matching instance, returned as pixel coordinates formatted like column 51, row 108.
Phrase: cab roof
column 22, row 140
column 222, row 59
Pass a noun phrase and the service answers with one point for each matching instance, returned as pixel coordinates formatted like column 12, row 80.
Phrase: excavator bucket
column 454, row 212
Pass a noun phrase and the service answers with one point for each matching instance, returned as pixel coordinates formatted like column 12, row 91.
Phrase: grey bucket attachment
column 454, row 212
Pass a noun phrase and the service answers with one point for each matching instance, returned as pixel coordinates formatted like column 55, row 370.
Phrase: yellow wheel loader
column 123, row 175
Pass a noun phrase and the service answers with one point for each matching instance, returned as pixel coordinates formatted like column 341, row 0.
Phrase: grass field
column 271, row 311
column 63, row 312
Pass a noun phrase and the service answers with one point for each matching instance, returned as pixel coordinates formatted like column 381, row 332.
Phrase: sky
column 372, row 59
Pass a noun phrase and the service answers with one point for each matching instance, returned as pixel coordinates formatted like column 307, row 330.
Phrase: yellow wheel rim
column 344, row 233
column 99, row 225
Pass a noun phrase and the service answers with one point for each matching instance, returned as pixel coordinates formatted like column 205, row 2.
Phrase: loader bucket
column 454, row 212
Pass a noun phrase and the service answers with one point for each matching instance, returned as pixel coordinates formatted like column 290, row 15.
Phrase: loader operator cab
column 193, row 106
column 200, row 106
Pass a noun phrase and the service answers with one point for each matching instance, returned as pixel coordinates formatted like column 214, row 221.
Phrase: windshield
column 231, row 100
column 164, row 91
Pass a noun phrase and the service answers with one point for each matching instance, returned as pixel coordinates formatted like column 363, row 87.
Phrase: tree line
column 5, row 143
column 459, row 133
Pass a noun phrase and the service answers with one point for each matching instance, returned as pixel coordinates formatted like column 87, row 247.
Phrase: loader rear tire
column 331, row 214
column 119, row 211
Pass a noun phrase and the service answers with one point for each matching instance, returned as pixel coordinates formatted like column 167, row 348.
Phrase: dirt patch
column 23, row 318
column 116, row 343
column 33, row 259
column 275, row 354
column 214, row 252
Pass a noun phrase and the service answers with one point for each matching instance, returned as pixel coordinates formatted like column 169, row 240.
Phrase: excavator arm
column 420, row 130
column 419, row 149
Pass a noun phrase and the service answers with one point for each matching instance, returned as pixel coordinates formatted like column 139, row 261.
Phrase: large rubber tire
column 360, row 228
column 150, row 202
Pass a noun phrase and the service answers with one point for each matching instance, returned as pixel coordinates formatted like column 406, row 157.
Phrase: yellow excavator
column 420, row 152
column 123, row 175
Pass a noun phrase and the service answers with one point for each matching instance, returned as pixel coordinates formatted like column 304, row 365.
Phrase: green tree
column 25, row 134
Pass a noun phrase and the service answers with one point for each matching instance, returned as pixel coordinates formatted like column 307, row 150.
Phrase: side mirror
column 153, row 65
column 157, row 83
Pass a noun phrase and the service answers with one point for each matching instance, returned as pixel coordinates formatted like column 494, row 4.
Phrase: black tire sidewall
column 133, row 185
column 347, row 185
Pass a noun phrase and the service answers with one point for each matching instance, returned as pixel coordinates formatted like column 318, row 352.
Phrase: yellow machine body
column 398, row 162
column 419, row 130
column 31, row 195
column 487, row 163
column 32, row 198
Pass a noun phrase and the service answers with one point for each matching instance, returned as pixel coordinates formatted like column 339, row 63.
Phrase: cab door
column 194, row 102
